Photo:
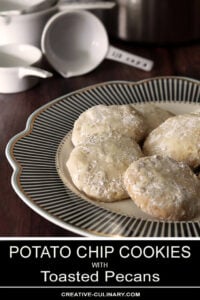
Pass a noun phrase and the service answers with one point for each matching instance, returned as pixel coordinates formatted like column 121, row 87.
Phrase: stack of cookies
column 142, row 152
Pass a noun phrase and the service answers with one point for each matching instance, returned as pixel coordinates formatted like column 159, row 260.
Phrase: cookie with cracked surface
column 97, row 166
column 153, row 115
column 123, row 119
column 163, row 188
column 178, row 137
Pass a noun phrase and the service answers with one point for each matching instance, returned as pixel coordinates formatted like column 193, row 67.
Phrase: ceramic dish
column 35, row 152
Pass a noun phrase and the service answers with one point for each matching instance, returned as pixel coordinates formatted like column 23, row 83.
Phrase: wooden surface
column 17, row 219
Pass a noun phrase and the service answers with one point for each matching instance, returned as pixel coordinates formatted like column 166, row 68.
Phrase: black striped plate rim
column 32, row 153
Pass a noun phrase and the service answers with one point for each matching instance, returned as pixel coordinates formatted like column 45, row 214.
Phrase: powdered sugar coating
column 164, row 188
column 153, row 115
column 178, row 137
column 123, row 119
column 97, row 166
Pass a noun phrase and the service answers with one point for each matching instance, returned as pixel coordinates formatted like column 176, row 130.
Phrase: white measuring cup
column 19, row 67
column 76, row 42
column 17, row 7
column 22, row 21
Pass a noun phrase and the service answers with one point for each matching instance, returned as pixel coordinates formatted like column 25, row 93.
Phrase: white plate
column 32, row 155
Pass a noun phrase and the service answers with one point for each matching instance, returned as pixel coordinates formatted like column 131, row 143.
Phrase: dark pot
column 154, row 21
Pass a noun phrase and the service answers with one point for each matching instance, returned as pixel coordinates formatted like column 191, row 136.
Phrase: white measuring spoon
column 76, row 42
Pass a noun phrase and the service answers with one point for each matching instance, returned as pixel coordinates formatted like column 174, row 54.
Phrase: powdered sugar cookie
column 178, row 137
column 97, row 167
column 163, row 188
column 153, row 115
column 123, row 119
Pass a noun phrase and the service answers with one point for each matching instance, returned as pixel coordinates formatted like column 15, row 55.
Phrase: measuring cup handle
column 89, row 5
column 129, row 59
column 33, row 71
